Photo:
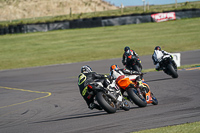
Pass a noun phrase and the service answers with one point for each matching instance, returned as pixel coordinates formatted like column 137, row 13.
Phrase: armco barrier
column 94, row 22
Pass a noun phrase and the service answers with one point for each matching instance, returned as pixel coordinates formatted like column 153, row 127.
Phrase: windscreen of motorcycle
column 132, row 77
column 116, row 74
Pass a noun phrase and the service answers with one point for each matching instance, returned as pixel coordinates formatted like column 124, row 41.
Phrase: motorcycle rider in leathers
column 125, row 59
column 157, row 56
column 87, row 76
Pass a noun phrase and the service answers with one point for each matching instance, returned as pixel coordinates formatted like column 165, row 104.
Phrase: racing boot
column 125, row 106
column 93, row 105
column 97, row 107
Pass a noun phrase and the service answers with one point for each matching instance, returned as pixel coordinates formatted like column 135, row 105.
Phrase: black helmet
column 86, row 69
column 157, row 48
column 126, row 48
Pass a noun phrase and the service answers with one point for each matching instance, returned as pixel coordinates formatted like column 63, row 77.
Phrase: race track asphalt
column 47, row 100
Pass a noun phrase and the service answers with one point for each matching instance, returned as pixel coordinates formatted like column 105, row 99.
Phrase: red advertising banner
column 159, row 17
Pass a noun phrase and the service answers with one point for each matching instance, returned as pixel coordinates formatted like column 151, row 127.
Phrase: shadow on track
column 85, row 115
column 77, row 116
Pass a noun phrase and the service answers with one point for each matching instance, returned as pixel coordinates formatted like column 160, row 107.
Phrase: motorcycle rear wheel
column 106, row 103
column 141, row 102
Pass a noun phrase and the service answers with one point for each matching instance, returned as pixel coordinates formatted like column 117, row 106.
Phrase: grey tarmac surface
column 47, row 100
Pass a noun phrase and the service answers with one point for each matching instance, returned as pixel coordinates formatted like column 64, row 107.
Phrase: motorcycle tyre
column 155, row 101
column 134, row 97
column 104, row 104
column 174, row 74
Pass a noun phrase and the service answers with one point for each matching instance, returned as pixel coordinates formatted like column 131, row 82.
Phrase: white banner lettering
column 159, row 17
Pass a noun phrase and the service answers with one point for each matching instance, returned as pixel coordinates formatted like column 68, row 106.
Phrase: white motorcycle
column 168, row 65
column 110, row 98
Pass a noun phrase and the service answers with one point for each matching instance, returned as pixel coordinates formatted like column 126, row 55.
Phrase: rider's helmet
column 126, row 49
column 157, row 48
column 86, row 69
column 114, row 67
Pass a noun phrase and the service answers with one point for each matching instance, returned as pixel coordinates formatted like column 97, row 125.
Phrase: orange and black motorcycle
column 137, row 93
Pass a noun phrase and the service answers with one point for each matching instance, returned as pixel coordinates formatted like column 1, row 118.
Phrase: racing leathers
column 127, row 58
column 83, row 80
column 157, row 57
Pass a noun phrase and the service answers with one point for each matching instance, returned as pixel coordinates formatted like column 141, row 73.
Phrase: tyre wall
column 94, row 22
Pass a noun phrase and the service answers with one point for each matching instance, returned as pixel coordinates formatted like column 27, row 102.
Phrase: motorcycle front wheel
column 134, row 96
column 136, row 68
column 155, row 101
column 173, row 73
column 106, row 103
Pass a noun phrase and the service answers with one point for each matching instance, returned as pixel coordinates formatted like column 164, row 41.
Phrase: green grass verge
column 183, row 128
column 76, row 45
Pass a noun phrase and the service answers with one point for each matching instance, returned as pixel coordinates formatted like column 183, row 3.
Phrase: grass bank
column 76, row 45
